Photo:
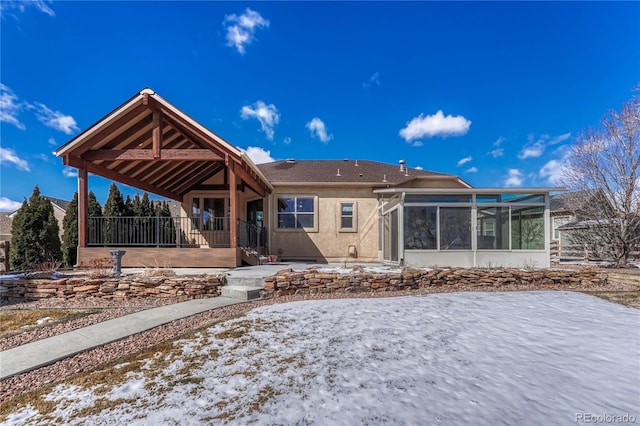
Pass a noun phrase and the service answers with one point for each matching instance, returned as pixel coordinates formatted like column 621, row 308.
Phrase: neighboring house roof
column 63, row 204
column 5, row 224
column 343, row 171
column 563, row 202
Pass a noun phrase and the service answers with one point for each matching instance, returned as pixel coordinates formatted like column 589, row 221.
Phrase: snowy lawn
column 525, row 358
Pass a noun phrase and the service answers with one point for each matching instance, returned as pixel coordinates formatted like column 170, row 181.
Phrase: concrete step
column 241, row 292
column 243, row 281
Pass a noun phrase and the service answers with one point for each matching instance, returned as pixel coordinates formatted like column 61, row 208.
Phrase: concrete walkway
column 47, row 351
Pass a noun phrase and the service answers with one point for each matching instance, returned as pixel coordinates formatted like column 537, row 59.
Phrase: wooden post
column 83, row 206
column 233, row 206
column 156, row 134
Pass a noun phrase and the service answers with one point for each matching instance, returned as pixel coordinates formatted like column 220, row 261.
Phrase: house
column 232, row 210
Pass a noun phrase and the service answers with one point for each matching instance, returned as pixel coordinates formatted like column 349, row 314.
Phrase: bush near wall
column 109, row 288
column 289, row 282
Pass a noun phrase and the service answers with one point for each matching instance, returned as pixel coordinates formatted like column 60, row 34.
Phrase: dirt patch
column 626, row 298
column 13, row 321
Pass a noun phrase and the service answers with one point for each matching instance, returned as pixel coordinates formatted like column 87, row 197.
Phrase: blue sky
column 492, row 92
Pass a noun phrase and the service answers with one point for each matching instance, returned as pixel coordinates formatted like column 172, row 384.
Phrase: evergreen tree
column 70, row 236
column 70, row 226
column 34, row 233
column 114, row 208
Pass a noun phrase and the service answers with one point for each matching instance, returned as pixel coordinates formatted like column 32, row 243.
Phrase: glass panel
column 455, row 228
column 346, row 215
column 305, row 220
column 486, row 198
column 437, row 198
column 213, row 214
column 523, row 198
column 304, row 205
column 493, row 228
column 286, row 205
column 420, row 224
column 346, row 222
column 527, row 228
column 286, row 220
column 195, row 212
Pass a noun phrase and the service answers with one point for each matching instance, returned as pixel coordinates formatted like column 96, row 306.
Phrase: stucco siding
column 326, row 242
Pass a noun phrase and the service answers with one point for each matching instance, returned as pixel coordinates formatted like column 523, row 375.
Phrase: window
column 420, row 224
column 557, row 223
column 208, row 214
column 527, row 228
column 348, row 218
column 296, row 212
column 455, row 228
column 493, row 228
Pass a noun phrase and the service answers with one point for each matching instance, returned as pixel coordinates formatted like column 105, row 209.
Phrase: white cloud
column 471, row 170
column 560, row 138
column 498, row 152
column 267, row 115
column 514, row 178
column 259, row 155
column 287, row 140
column 241, row 29
column 552, row 171
column 532, row 150
column 435, row 125
column 70, row 172
column 319, row 130
column 374, row 80
column 499, row 141
column 55, row 119
column 8, row 155
column 7, row 205
column 52, row 142
column 418, row 168
column 464, row 160
column 417, row 144
column 535, row 148
column 10, row 106
column 21, row 5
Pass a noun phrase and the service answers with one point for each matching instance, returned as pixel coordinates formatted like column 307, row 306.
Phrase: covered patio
column 149, row 144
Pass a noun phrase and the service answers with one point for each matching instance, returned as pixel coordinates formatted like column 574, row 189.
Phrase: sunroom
column 465, row 227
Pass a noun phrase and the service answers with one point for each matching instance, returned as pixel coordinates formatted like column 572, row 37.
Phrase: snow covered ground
column 525, row 358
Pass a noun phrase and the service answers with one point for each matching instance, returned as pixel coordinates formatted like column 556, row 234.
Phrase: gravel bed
column 89, row 360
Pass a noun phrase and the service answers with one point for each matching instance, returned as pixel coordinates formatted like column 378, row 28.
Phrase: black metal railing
column 159, row 231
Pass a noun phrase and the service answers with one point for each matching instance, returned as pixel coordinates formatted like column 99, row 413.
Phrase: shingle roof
column 567, row 200
column 340, row 171
column 63, row 204
column 5, row 223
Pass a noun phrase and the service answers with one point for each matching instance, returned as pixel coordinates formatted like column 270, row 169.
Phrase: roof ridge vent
column 147, row 91
column 402, row 165
column 291, row 160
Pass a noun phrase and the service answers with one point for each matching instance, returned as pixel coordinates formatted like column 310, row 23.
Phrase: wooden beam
column 151, row 154
column 105, row 172
column 196, row 179
column 156, row 134
column 252, row 183
column 105, row 135
column 83, row 206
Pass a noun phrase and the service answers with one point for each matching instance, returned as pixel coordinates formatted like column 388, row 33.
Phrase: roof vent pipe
column 338, row 174
column 291, row 160
column 402, row 165
column 356, row 163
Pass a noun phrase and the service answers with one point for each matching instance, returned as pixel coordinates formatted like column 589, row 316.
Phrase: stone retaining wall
column 108, row 288
column 288, row 282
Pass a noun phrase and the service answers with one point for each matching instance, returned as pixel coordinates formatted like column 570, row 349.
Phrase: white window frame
column 314, row 228
column 354, row 216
